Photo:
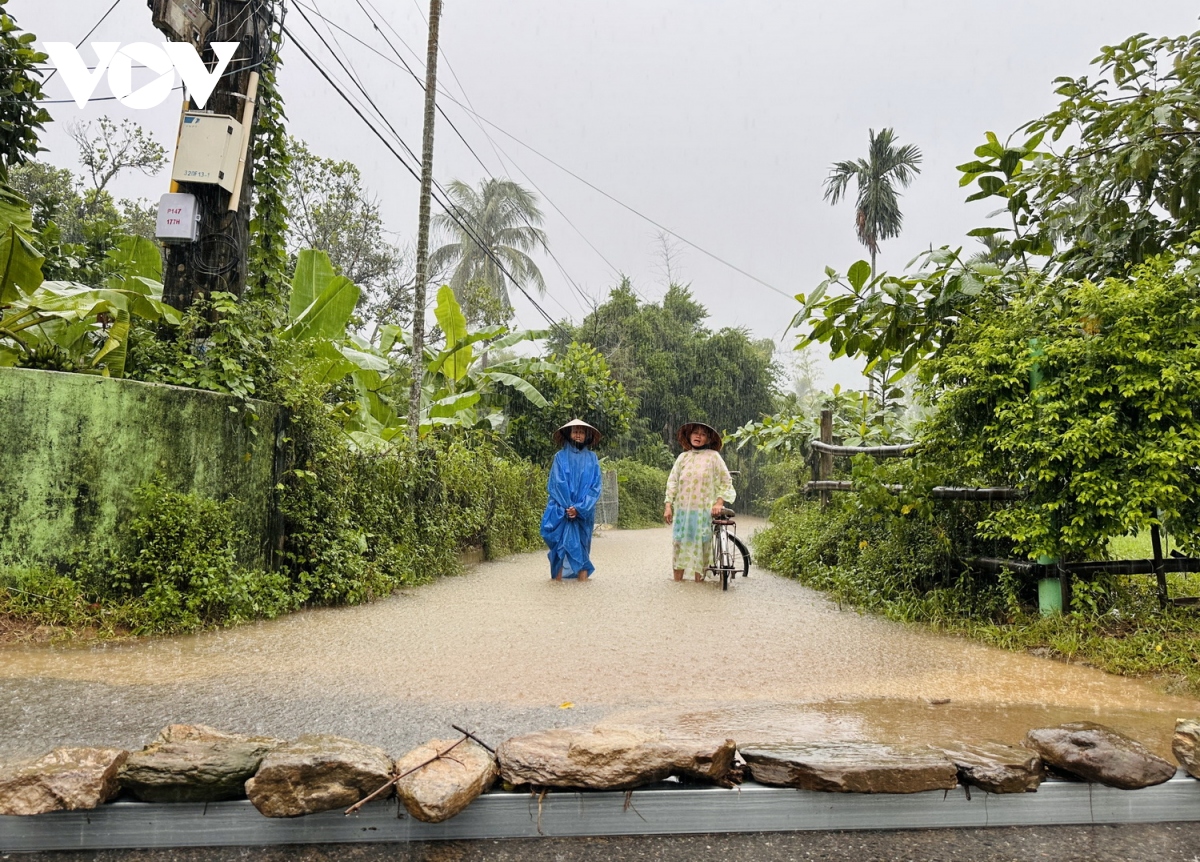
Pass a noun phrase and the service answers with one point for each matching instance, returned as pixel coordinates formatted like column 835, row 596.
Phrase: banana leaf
column 132, row 257
column 20, row 265
column 523, row 386
column 312, row 276
column 328, row 315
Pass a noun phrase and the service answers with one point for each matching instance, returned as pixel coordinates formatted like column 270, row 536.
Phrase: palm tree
column 877, row 211
column 499, row 222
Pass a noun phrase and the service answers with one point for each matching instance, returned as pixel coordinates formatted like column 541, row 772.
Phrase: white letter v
column 74, row 71
column 198, row 80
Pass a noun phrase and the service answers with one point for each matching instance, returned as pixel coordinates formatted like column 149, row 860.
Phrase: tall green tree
column 20, row 90
column 502, row 217
column 675, row 367
column 331, row 210
column 877, row 213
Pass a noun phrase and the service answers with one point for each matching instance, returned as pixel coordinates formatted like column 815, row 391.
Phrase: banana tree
column 65, row 324
column 461, row 388
column 458, row 388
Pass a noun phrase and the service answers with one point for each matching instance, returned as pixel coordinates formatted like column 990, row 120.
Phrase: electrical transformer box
column 182, row 20
column 209, row 149
column 178, row 218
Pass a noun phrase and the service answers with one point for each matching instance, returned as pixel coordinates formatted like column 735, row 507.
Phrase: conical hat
column 561, row 435
column 685, row 432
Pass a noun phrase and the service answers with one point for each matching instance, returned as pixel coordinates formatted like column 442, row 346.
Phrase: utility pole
column 418, row 338
column 217, row 260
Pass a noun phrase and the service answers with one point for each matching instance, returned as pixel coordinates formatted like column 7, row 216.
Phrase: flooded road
column 504, row 650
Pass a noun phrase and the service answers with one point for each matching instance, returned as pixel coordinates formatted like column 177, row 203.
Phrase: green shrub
column 903, row 566
column 175, row 568
column 358, row 525
column 640, row 493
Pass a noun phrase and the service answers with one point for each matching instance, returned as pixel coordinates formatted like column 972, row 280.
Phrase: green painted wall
column 74, row 448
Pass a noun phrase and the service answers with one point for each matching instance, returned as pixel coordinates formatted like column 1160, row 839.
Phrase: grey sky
column 716, row 118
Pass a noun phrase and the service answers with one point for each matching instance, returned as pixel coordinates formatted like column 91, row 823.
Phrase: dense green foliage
column 580, row 387
column 676, row 368
column 1128, row 187
column 266, row 271
column 1061, row 360
column 357, row 527
column 640, row 489
column 20, row 90
column 1126, row 191
column 1087, row 395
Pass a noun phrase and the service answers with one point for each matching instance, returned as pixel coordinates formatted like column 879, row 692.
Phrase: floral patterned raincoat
column 698, row 479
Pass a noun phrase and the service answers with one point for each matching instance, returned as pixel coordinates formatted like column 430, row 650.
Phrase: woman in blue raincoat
column 574, row 490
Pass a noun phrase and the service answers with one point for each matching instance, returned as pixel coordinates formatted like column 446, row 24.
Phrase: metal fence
column 607, row 508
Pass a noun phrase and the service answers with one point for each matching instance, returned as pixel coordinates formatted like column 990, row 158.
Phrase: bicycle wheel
column 724, row 554
column 739, row 557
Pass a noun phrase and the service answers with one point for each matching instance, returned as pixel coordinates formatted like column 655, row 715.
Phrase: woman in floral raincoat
column 698, row 488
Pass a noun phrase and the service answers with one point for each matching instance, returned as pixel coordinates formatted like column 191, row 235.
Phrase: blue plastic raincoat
column 574, row 481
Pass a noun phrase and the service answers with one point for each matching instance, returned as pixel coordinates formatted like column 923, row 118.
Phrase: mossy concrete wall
column 74, row 448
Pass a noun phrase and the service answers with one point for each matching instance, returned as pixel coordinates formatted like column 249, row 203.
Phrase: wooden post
column 1160, row 573
column 825, row 459
column 418, row 325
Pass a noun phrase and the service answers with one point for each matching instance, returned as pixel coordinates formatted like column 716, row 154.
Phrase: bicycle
column 729, row 555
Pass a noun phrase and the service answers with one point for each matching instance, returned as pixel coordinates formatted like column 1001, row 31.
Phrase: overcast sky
column 718, row 119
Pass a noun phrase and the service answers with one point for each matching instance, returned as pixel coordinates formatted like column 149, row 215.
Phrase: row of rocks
column 193, row 763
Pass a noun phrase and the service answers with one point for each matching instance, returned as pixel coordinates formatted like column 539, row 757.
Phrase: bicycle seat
column 726, row 516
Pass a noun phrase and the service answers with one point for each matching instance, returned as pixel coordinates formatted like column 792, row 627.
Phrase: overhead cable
column 448, row 209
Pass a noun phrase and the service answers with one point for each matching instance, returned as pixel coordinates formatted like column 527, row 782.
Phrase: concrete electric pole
column 216, row 260
column 418, row 339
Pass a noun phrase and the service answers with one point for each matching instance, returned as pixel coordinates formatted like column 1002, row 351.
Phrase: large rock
column 195, row 763
column 439, row 790
column 66, row 779
column 851, row 767
column 317, row 773
column 1098, row 753
column 611, row 759
column 1187, row 735
column 996, row 768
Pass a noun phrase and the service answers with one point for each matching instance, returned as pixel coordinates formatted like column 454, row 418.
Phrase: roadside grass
column 896, row 570
column 37, row 605
column 1164, row 650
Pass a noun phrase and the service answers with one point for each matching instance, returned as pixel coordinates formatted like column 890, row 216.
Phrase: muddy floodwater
column 505, row 650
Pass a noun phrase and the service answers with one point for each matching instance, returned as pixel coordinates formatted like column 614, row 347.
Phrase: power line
column 471, row 111
column 578, row 290
column 471, row 233
column 588, row 302
column 91, row 99
column 103, row 18
column 449, row 210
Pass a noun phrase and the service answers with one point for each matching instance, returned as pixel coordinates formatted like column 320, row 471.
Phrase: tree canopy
column 877, row 213
column 493, row 226
column 1126, row 185
column 675, row 367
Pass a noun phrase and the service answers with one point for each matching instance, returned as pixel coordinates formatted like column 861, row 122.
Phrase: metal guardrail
column 661, row 810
